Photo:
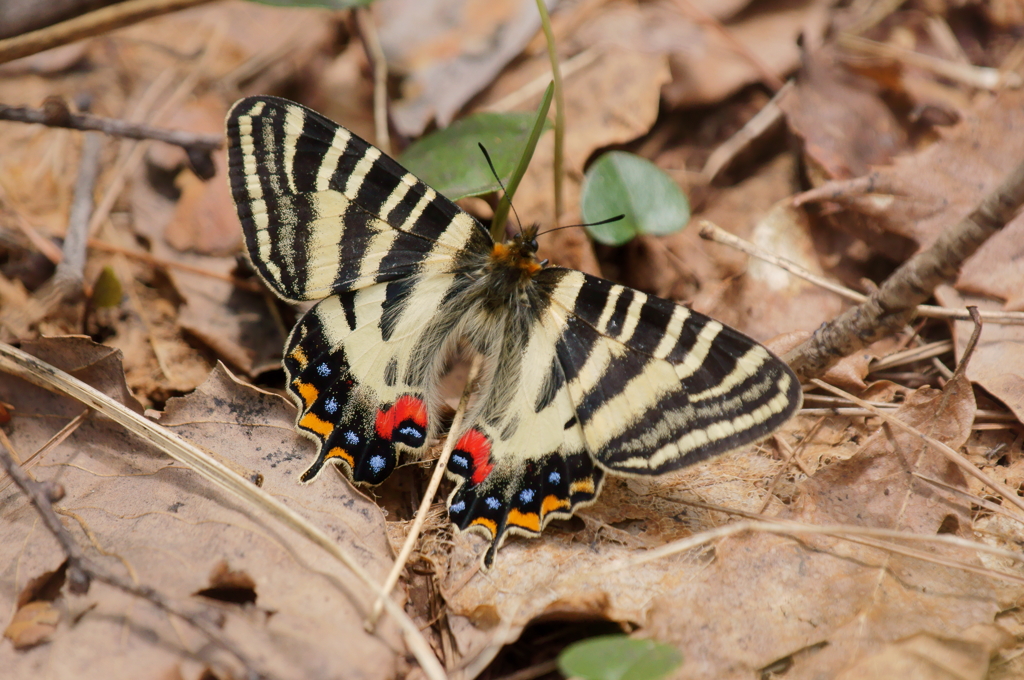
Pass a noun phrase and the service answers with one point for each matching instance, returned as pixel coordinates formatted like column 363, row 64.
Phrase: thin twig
column 81, row 570
column 908, row 356
column 994, row 508
column 53, row 115
column 67, row 281
column 50, row 443
column 94, row 23
column 378, row 60
column 49, row 377
column 712, row 232
column 792, row 457
column 428, row 496
column 843, row 532
column 764, row 120
column 70, row 272
column 981, row 77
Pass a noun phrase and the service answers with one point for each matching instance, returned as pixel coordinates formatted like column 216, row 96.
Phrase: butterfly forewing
column 581, row 376
column 323, row 211
column 657, row 386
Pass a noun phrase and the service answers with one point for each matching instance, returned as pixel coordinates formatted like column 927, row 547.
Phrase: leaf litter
column 891, row 152
column 169, row 529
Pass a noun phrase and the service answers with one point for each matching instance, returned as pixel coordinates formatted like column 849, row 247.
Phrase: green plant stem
column 556, row 72
column 501, row 212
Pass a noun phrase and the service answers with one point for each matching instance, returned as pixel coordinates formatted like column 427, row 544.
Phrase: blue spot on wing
column 351, row 437
column 526, row 495
column 458, row 507
column 411, row 432
column 492, row 502
column 324, row 370
column 331, row 405
column 377, row 463
column 554, row 478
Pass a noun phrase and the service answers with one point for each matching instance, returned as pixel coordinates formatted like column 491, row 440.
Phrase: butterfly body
column 579, row 376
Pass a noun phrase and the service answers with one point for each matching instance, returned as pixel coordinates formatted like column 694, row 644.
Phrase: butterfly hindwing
column 520, row 461
column 362, row 397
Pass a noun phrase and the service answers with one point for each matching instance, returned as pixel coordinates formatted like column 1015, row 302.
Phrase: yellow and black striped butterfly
column 580, row 376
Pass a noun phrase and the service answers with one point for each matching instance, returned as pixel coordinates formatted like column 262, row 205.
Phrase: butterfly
column 580, row 376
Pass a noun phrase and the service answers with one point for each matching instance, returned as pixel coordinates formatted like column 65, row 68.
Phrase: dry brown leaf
column 711, row 70
column 449, row 52
column 204, row 219
column 924, row 657
column 998, row 360
column 32, row 624
column 135, row 511
column 845, row 125
column 848, row 373
column 766, row 301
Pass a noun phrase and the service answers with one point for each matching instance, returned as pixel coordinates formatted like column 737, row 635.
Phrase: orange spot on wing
column 338, row 452
column 486, row 524
column 582, row 486
column 552, row 503
column 313, row 424
column 306, row 391
column 299, row 356
column 526, row 520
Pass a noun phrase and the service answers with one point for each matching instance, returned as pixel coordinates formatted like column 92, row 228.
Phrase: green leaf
column 617, row 657
column 325, row 4
column 623, row 183
column 540, row 124
column 107, row 292
column 450, row 161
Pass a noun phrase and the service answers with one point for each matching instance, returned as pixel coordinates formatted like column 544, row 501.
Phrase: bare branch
column 87, row 25
column 893, row 304
column 55, row 113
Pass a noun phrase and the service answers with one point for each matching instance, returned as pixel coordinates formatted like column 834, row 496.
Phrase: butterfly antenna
column 586, row 224
column 501, row 184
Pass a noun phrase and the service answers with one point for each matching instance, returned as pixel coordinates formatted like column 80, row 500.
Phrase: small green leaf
column 325, row 4
column 107, row 290
column 450, row 161
column 617, row 657
column 623, row 183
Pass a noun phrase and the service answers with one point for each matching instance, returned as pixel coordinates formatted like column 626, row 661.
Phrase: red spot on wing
column 411, row 408
column 476, row 444
column 407, row 407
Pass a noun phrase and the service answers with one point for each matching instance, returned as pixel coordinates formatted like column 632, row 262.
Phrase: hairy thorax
column 506, row 276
